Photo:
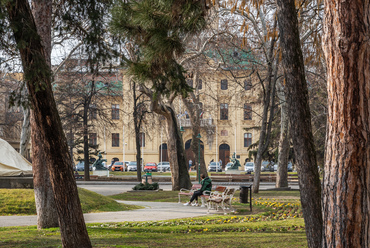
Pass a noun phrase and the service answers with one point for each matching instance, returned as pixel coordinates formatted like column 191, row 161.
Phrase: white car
column 132, row 166
column 164, row 166
column 249, row 167
column 228, row 165
column 214, row 166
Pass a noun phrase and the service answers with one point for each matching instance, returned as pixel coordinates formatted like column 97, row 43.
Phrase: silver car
column 214, row 166
column 249, row 167
column 164, row 166
column 132, row 166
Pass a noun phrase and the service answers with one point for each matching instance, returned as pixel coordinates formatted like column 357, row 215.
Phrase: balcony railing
column 203, row 122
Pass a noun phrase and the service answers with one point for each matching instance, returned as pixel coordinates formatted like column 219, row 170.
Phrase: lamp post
column 198, row 137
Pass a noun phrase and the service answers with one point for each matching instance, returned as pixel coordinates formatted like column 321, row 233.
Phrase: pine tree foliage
column 158, row 29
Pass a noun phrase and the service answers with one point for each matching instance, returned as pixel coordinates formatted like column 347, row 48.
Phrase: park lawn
column 22, row 202
column 172, row 196
column 216, row 231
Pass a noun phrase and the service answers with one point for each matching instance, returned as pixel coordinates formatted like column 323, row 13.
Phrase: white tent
column 11, row 162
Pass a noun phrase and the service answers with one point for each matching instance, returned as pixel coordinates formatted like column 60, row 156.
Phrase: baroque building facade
column 230, row 121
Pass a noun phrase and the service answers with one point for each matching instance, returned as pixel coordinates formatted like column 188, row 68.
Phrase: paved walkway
column 153, row 211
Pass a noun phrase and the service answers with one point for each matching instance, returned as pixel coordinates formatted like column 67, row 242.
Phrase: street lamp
column 198, row 137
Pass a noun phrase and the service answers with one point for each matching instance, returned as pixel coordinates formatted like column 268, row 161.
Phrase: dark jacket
column 206, row 184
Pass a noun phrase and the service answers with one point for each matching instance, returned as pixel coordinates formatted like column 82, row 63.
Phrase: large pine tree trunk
column 54, row 144
column 47, row 215
column 300, row 121
column 179, row 168
column 346, row 194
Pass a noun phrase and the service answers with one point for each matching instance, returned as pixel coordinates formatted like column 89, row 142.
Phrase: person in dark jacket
column 206, row 186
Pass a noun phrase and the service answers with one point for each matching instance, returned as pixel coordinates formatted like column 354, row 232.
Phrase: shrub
column 146, row 186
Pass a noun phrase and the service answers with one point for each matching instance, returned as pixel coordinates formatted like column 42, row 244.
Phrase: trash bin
column 244, row 194
column 147, row 178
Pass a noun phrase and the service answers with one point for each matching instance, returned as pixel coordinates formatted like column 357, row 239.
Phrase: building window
column 189, row 82
column 93, row 111
column 200, row 84
column 115, row 139
column 247, row 84
column 224, row 111
column 224, row 84
column 142, row 139
column 93, row 139
column 247, row 139
column 247, row 111
column 115, row 112
column 224, row 133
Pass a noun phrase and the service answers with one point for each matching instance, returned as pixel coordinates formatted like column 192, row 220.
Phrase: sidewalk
column 153, row 211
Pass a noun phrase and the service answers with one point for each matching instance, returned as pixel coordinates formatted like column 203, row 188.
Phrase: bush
column 146, row 186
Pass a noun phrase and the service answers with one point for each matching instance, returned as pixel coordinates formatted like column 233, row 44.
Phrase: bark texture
column 38, row 78
column 176, row 152
column 47, row 215
column 300, row 121
column 346, row 194
column 282, row 171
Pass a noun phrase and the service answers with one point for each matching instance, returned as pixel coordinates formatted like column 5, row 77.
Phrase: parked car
column 118, row 166
column 267, row 166
column 164, row 166
column 290, row 167
column 132, row 166
column 80, row 166
column 214, row 166
column 151, row 167
column 249, row 167
column 228, row 165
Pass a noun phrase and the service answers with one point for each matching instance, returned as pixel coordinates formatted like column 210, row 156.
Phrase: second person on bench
column 206, row 186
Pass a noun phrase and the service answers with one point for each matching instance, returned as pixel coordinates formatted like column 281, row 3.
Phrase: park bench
column 189, row 192
column 221, row 200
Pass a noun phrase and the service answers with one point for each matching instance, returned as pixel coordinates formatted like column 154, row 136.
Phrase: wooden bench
column 204, row 197
column 221, row 200
column 188, row 192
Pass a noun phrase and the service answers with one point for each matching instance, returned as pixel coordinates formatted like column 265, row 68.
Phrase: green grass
column 22, row 202
column 274, row 222
column 172, row 196
column 215, row 231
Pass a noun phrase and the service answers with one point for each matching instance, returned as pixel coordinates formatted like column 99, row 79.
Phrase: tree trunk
column 346, row 192
column 282, row 172
column 300, row 121
column 37, row 75
column 86, row 141
column 25, row 133
column 47, row 215
column 179, row 168
column 265, row 130
column 137, row 124
column 194, row 115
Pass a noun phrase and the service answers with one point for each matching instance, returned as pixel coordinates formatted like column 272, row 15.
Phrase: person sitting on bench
column 206, row 185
